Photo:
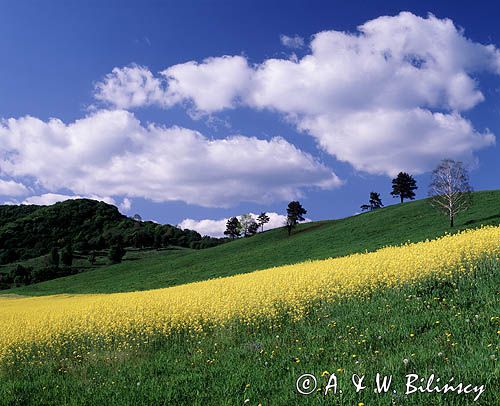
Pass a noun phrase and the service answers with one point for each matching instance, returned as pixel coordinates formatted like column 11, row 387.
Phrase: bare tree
column 247, row 224
column 450, row 190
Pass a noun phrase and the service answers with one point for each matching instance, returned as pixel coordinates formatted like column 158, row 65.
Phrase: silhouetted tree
column 253, row 228
column 92, row 257
column 54, row 257
column 165, row 240
column 21, row 275
column 158, row 241
column 295, row 214
column 262, row 219
column 9, row 255
column 116, row 253
column 450, row 190
column 403, row 186
column 374, row 203
column 233, row 228
column 67, row 255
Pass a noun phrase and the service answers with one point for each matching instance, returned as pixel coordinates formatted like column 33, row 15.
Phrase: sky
column 190, row 112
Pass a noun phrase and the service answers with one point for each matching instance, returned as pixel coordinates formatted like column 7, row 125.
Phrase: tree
column 54, row 257
column 248, row 225
column 233, row 228
column 262, row 219
column 116, row 253
column 403, row 186
column 137, row 217
column 158, row 241
column 92, row 257
column 374, row 203
column 450, row 190
column 21, row 275
column 295, row 213
column 67, row 255
column 165, row 240
column 253, row 228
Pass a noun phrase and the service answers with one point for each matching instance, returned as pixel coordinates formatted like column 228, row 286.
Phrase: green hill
column 86, row 228
column 412, row 221
column 31, row 231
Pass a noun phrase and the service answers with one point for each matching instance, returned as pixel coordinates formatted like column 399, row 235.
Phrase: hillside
column 412, row 221
column 31, row 231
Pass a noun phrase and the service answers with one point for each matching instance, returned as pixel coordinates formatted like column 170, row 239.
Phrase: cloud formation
column 293, row 42
column 48, row 199
column 215, row 228
column 12, row 188
column 386, row 98
column 110, row 153
column 132, row 86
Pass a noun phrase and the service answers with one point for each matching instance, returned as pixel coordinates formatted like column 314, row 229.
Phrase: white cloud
column 292, row 42
column 11, row 188
column 48, row 199
column 386, row 98
column 131, row 86
column 109, row 153
column 212, row 85
column 388, row 141
column 215, row 228
column 125, row 205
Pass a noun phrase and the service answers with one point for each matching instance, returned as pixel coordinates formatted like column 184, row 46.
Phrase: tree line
column 450, row 191
column 83, row 229
column 246, row 225
column 84, row 225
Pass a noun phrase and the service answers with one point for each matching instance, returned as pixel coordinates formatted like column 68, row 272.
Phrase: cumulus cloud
column 48, row 199
column 212, row 85
column 386, row 98
column 293, row 42
column 110, row 153
column 125, row 205
column 388, row 141
column 11, row 188
column 215, row 228
column 132, row 86
column 209, row 86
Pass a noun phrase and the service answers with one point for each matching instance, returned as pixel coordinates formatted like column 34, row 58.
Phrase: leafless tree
column 450, row 190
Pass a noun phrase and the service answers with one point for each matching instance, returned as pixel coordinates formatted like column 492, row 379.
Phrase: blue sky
column 58, row 61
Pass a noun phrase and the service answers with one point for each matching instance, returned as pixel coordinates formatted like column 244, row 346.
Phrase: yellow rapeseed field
column 125, row 320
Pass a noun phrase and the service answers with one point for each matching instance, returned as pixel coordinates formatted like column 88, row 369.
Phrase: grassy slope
column 414, row 221
column 445, row 327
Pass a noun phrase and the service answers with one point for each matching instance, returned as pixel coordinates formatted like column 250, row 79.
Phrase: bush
column 67, row 256
column 54, row 257
column 44, row 274
column 116, row 254
column 21, row 275
column 8, row 256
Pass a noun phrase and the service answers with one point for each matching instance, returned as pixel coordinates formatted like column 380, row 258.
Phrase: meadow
column 142, row 270
column 430, row 307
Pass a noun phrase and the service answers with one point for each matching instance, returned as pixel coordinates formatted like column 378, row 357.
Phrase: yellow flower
column 125, row 321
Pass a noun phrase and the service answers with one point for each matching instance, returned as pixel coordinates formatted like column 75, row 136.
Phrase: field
column 430, row 307
column 393, row 225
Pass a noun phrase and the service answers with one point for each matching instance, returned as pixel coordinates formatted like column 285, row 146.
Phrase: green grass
column 447, row 327
column 412, row 221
